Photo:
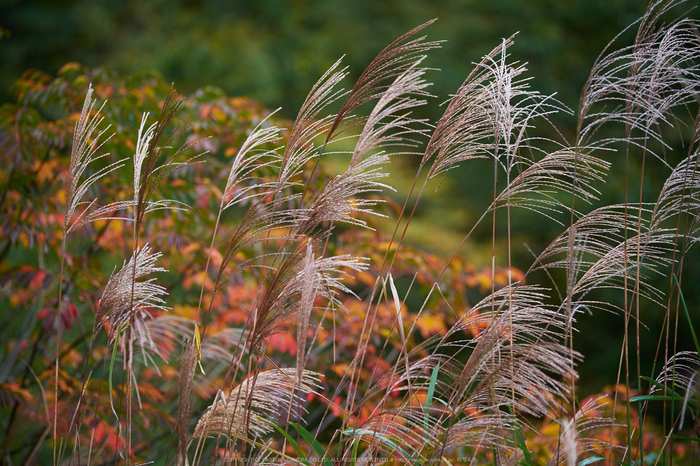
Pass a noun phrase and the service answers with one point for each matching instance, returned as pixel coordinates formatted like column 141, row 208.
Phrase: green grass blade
column 429, row 399
column 111, row 369
column 520, row 443
column 313, row 442
column 686, row 438
column 655, row 398
column 687, row 314
column 355, row 447
column 661, row 386
column 591, row 460
column 291, row 441
column 391, row 443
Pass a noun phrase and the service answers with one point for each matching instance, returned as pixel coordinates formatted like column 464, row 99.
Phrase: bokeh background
column 274, row 50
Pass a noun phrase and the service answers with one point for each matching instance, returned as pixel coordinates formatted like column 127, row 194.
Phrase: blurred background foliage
column 273, row 51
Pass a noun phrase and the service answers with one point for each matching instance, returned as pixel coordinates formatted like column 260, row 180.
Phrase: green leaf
column 313, row 442
column 391, row 443
column 687, row 314
column 686, row 438
column 661, row 386
column 291, row 441
column 111, row 369
column 655, row 398
column 429, row 398
column 520, row 443
column 591, row 460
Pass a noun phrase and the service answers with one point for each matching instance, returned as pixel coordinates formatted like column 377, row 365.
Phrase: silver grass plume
column 539, row 186
column 391, row 62
column 640, row 85
column 603, row 256
column 115, row 303
column 428, row 432
column 300, row 148
column 86, row 144
column 336, row 201
column 682, row 373
column 257, row 225
column 306, row 303
column 152, row 330
column 515, row 361
column 216, row 347
column 247, row 161
column 489, row 116
column 578, row 435
column 680, row 195
column 512, row 106
column 569, row 443
column 150, row 146
column 256, row 404
column 521, row 344
column 402, row 431
column 290, row 284
column 464, row 131
column 616, row 240
column 389, row 123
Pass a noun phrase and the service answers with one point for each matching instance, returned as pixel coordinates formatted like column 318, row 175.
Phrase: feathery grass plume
column 149, row 149
column 402, row 432
column 287, row 286
column 539, row 186
column 522, row 344
column 569, row 443
column 216, row 347
column 337, row 200
column 300, row 148
column 306, row 303
column 150, row 145
column 464, row 131
column 489, row 117
column 580, row 436
column 514, row 361
column 187, row 368
column 391, row 62
column 512, row 106
column 386, row 124
column 680, row 195
column 86, row 144
column 157, row 334
column 480, row 431
column 681, row 373
column 640, row 85
column 604, row 255
column 262, row 222
column 417, row 430
column 247, row 161
column 116, row 303
column 259, row 403
column 616, row 240
column 85, row 147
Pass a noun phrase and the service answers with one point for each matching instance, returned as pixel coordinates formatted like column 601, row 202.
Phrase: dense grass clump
column 229, row 300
